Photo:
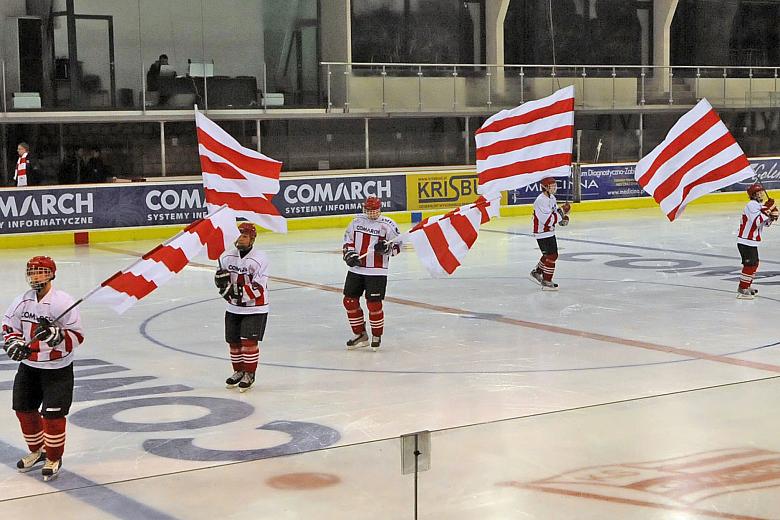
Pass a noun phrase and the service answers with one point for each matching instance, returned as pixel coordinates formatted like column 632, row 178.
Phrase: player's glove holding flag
column 222, row 281
column 351, row 258
column 16, row 349
column 383, row 247
column 563, row 212
column 47, row 332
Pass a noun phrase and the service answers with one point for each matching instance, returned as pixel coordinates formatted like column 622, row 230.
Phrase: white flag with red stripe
column 698, row 156
column 125, row 288
column 524, row 145
column 442, row 241
column 240, row 178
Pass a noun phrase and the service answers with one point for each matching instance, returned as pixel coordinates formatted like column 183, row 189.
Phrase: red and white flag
column 125, row 288
column 698, row 156
column 442, row 241
column 524, row 145
column 240, row 178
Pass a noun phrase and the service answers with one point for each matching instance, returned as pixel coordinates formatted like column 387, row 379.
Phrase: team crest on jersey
column 689, row 483
column 238, row 269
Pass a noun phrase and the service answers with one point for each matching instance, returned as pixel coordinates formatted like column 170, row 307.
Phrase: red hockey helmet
column 372, row 203
column 40, row 271
column 754, row 189
column 372, row 207
column 247, row 228
column 548, row 181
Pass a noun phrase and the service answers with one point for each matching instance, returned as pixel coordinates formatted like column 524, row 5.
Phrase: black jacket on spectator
column 96, row 171
column 71, row 169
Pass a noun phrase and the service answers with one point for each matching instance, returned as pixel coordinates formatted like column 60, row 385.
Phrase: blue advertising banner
column 316, row 197
column 613, row 181
column 76, row 208
column 98, row 207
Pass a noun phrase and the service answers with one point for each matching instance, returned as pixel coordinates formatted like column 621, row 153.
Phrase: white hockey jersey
column 361, row 236
column 755, row 217
column 251, row 274
column 546, row 216
column 21, row 320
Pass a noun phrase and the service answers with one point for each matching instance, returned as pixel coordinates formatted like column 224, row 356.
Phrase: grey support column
column 663, row 13
column 162, row 147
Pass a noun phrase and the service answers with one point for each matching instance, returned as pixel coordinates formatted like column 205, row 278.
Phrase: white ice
column 542, row 405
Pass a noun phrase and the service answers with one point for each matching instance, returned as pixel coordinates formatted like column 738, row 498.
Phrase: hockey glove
column 236, row 291
column 222, row 281
column 564, row 221
column 351, row 258
column 566, row 207
column 47, row 332
column 16, row 349
column 383, row 247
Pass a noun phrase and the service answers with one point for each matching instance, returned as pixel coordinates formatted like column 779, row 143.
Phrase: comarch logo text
column 306, row 193
column 46, row 204
column 174, row 199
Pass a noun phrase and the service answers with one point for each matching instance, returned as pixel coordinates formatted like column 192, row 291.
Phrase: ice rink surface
column 642, row 389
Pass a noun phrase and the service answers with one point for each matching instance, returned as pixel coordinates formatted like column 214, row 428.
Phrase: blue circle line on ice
column 143, row 329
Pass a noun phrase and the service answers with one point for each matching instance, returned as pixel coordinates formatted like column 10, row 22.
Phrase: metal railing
column 423, row 87
column 457, row 87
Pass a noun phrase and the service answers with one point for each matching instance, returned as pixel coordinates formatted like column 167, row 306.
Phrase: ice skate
column 376, row 342
column 246, row 382
column 359, row 341
column 536, row 276
column 745, row 294
column 51, row 469
column 753, row 290
column 233, row 380
column 29, row 461
column 549, row 286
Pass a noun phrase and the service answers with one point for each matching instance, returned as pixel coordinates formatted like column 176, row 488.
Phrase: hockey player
column 755, row 217
column 242, row 280
column 368, row 246
column 546, row 215
column 43, row 339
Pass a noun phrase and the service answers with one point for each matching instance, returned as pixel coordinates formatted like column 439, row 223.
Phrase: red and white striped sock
column 355, row 315
column 32, row 429
column 250, row 352
column 548, row 267
column 376, row 316
column 54, row 437
column 747, row 275
column 235, row 357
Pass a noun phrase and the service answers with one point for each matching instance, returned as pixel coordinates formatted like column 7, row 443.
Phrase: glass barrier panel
column 416, row 142
column 77, row 153
column 359, row 481
column 230, row 71
column 315, row 144
column 172, row 39
column 611, row 461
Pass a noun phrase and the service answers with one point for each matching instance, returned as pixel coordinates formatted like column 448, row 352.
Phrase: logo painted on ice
column 680, row 483
column 669, row 265
column 304, row 436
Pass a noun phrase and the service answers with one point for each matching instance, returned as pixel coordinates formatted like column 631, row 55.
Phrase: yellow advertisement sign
column 439, row 190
